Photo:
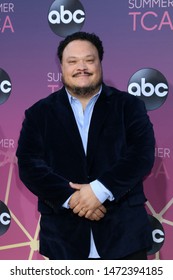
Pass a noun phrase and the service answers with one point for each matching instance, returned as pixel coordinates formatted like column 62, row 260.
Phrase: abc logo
column 149, row 85
column 5, row 86
column 66, row 17
column 157, row 234
column 5, row 218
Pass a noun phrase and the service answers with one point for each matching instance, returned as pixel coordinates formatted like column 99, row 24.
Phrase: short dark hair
column 91, row 37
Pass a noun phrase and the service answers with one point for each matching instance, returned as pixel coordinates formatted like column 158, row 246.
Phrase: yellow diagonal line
column 17, row 245
column 9, row 183
column 167, row 206
column 35, row 241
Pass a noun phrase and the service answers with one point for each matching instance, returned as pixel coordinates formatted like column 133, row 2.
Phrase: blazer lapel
column 100, row 114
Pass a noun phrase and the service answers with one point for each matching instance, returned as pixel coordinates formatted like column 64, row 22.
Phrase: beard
column 90, row 90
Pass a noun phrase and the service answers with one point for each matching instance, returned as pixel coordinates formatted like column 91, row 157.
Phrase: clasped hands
column 84, row 202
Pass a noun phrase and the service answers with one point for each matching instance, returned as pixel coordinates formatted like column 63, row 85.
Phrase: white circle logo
column 66, row 17
column 5, row 218
column 5, row 86
column 158, row 235
column 149, row 85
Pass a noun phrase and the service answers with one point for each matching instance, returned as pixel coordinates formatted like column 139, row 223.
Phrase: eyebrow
column 89, row 55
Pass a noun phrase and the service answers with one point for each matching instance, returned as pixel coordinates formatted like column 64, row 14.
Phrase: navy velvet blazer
column 120, row 154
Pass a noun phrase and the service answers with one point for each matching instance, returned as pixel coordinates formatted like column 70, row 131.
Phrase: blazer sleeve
column 138, row 159
column 34, row 171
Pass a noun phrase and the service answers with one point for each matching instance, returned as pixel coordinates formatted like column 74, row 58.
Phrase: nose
column 81, row 65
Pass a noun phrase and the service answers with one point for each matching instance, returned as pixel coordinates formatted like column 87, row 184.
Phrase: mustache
column 83, row 73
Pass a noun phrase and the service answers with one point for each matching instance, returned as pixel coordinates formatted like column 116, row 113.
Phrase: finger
column 88, row 213
column 91, row 218
column 99, row 213
column 81, row 213
column 73, row 204
column 94, row 217
column 78, row 208
column 102, row 208
column 75, row 186
column 74, row 200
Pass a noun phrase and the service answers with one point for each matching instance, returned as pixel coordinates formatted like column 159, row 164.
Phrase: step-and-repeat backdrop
column 138, row 41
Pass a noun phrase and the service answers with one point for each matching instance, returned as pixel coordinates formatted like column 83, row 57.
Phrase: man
column 84, row 151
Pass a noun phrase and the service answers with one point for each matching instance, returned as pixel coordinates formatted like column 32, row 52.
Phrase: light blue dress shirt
column 83, row 119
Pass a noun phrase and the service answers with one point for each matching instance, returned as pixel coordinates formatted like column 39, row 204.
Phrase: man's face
column 81, row 68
